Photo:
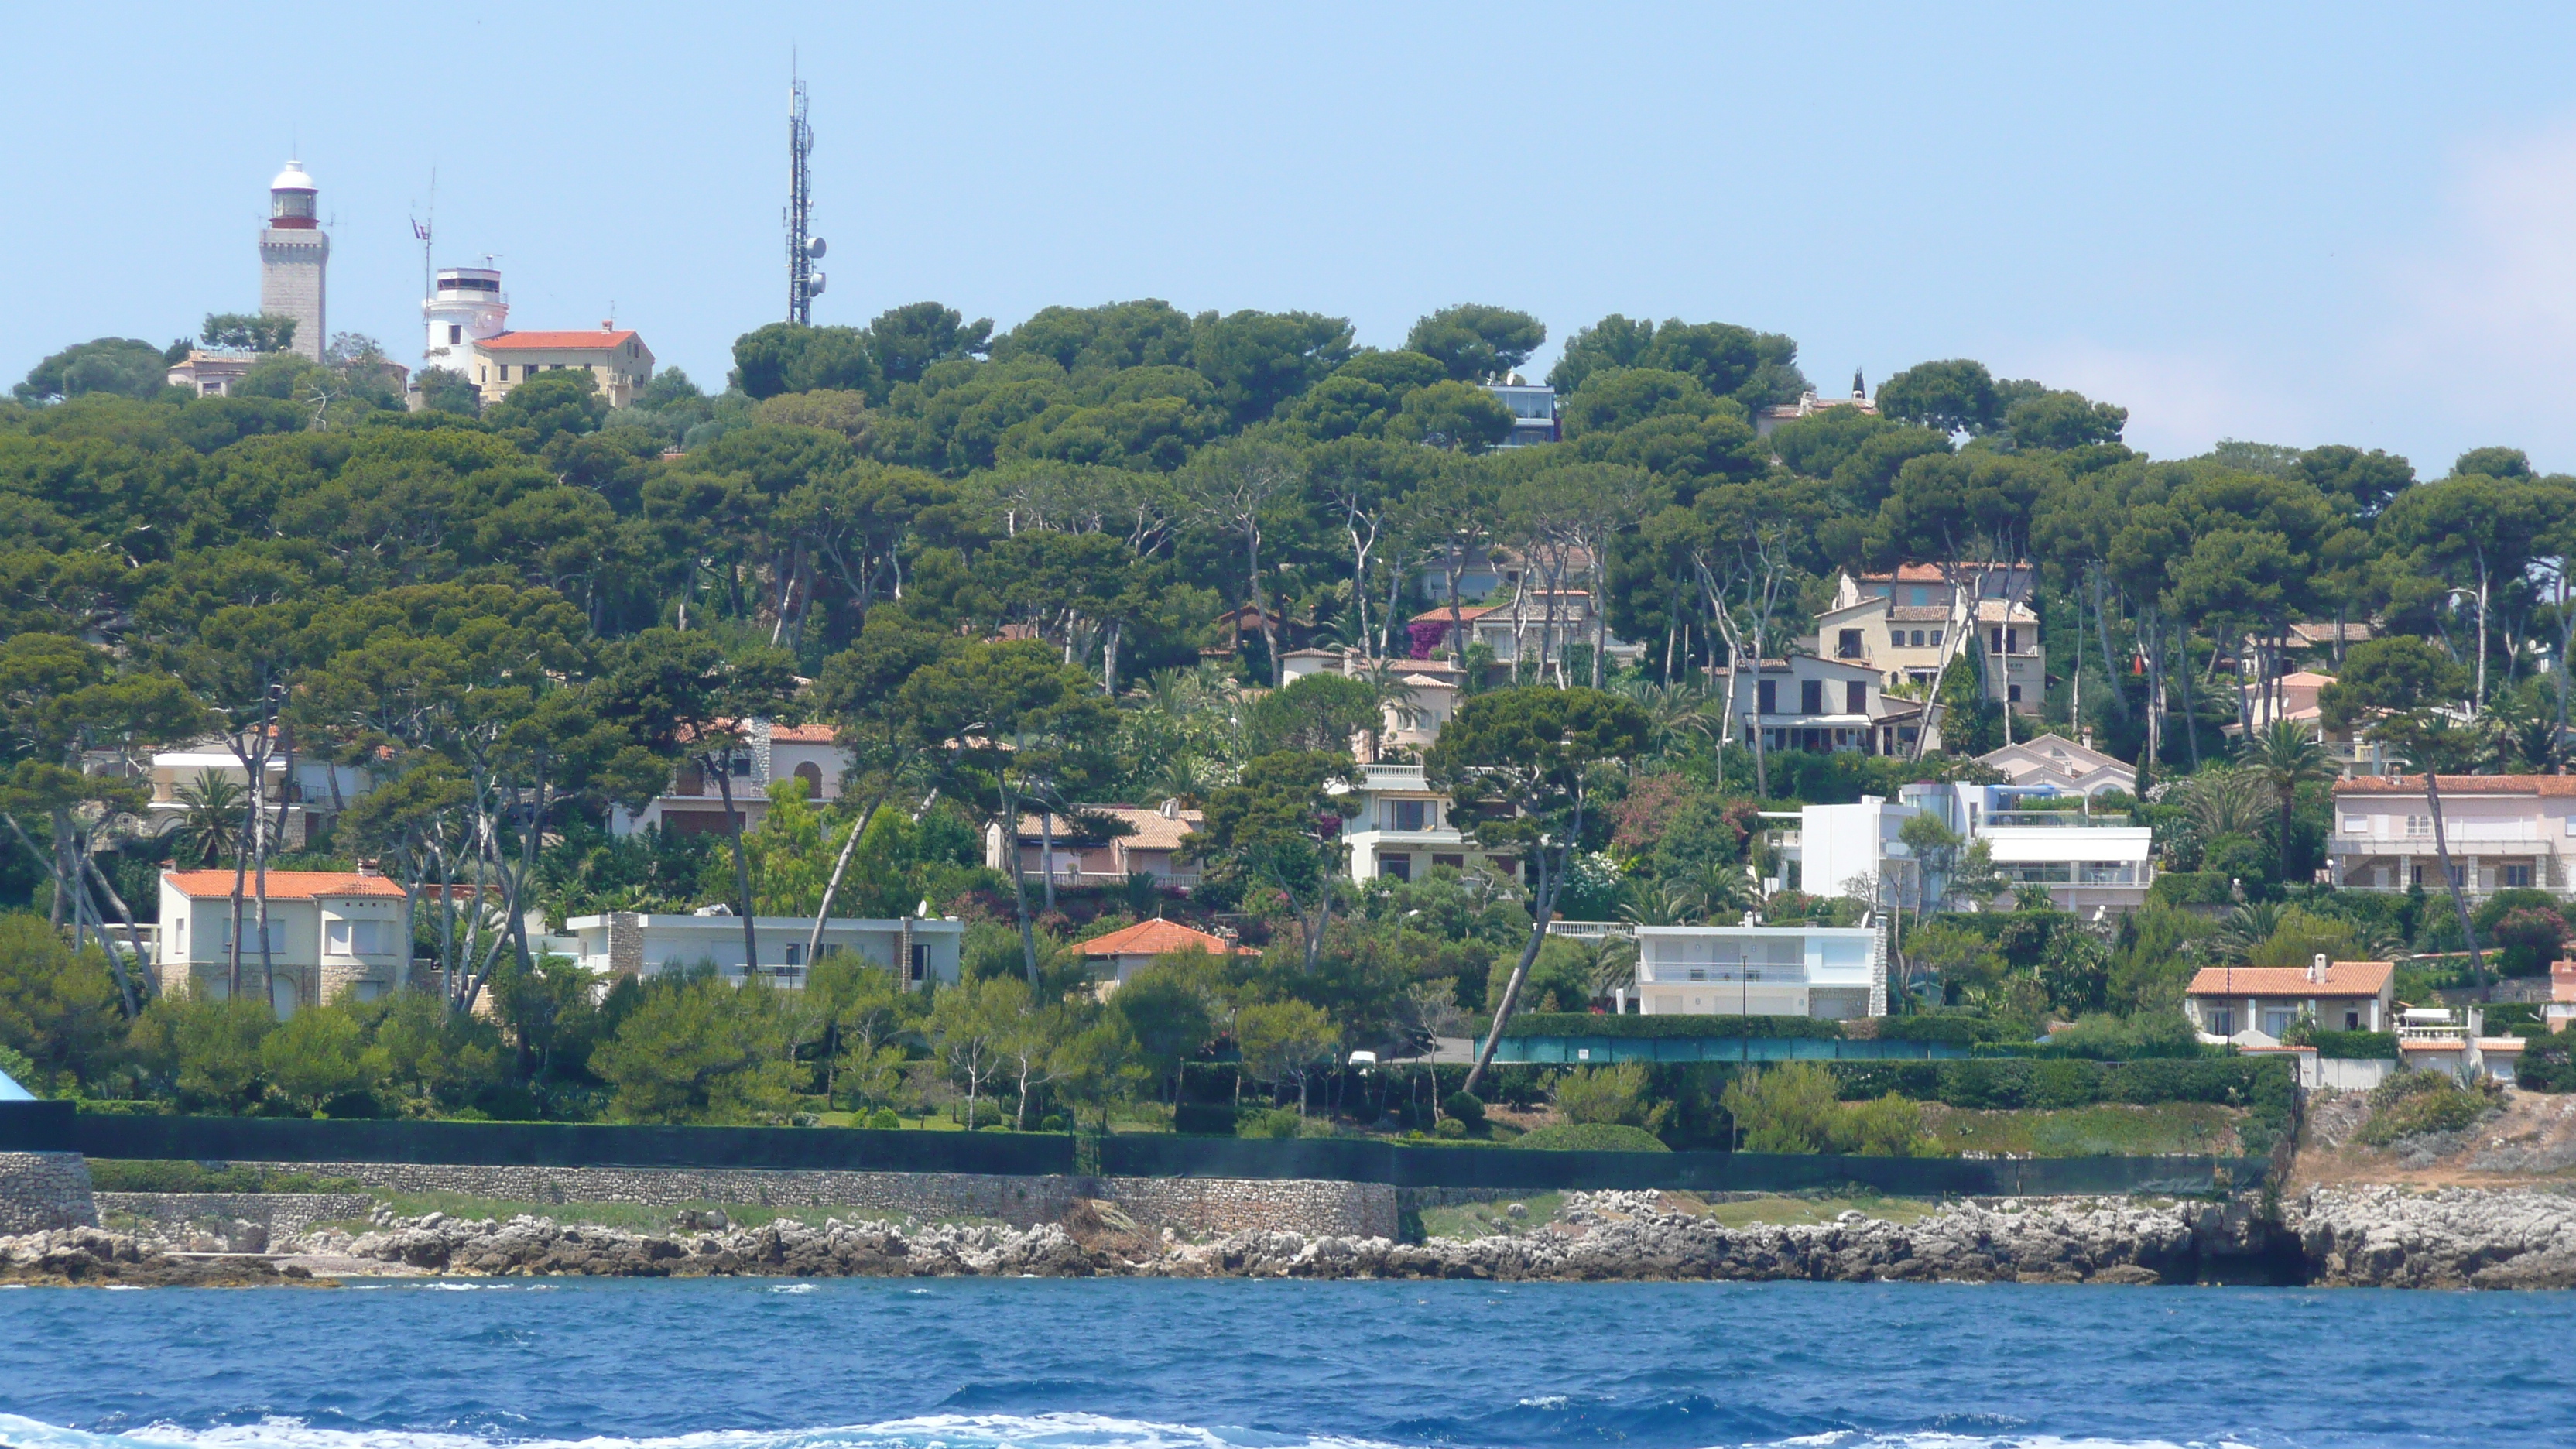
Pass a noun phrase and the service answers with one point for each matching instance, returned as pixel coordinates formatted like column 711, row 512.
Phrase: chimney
column 1171, row 809
column 2317, row 969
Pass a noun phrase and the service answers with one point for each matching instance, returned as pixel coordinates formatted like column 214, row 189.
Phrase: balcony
column 1650, row 973
column 2053, row 820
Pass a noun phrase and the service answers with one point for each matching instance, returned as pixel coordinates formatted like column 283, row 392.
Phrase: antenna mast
column 803, row 283
column 422, row 230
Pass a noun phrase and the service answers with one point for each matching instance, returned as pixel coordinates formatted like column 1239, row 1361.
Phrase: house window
column 455, row 334
column 1995, row 640
column 920, row 963
column 353, row 938
column 2352, row 1021
column 2356, row 824
column 2012, row 694
column 2419, row 824
column 812, row 775
column 2516, row 877
column 1811, row 696
column 1855, row 698
column 795, row 953
column 738, row 766
column 2222, row 1021
column 1395, row 867
column 1767, row 696
column 1848, row 645
column 1454, row 862
column 2276, row 1021
column 1936, row 638
column 1407, row 814
column 1917, row 639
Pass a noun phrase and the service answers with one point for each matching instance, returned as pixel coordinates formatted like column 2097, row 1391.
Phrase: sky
column 2283, row 224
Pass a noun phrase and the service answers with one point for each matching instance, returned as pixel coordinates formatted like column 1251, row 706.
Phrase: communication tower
column 804, row 283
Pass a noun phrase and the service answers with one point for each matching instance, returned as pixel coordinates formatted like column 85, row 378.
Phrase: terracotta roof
column 1158, row 937
column 804, row 734
column 1917, row 613
column 1151, row 829
column 2555, row 786
column 2343, row 978
column 1467, row 614
column 597, row 339
column 282, row 884
column 2354, row 631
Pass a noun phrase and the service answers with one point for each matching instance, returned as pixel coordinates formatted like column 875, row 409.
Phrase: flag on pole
column 420, row 231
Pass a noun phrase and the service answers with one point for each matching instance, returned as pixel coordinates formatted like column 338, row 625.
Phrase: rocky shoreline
column 2328, row 1236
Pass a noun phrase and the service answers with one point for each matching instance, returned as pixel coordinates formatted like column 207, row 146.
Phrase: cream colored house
column 329, row 932
column 1151, row 846
column 2506, row 832
column 1424, row 693
column 1904, row 624
column 616, row 358
column 1404, row 829
column 2053, row 759
column 694, row 804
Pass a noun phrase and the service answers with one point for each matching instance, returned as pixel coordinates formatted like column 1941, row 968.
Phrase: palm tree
column 2286, row 756
column 209, row 812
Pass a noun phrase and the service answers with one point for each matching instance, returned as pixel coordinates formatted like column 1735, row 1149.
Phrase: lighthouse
column 293, row 255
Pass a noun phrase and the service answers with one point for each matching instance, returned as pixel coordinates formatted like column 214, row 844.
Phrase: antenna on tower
column 803, row 283
column 422, row 228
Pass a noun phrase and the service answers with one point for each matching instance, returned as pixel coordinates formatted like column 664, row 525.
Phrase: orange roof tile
column 282, row 884
column 804, row 734
column 2550, row 785
column 1158, row 937
column 599, row 339
column 2343, row 978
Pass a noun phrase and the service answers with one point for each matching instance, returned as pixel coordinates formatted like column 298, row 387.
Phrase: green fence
column 1581, row 1050
column 52, row 1126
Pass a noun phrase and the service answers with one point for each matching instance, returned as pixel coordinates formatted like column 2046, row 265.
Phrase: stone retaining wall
column 277, row 1215
column 1192, row 1207
column 42, row 1190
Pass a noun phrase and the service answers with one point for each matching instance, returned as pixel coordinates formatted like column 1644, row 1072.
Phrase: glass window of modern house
column 2516, row 877
column 1395, row 867
column 1407, row 814
column 2222, row 1022
column 1847, row 644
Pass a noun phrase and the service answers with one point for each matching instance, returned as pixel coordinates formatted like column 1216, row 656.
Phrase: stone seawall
column 1190, row 1207
column 44, row 1190
column 241, row 1222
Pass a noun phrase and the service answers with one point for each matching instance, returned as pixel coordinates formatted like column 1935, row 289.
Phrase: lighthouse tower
column 467, row 306
column 293, row 254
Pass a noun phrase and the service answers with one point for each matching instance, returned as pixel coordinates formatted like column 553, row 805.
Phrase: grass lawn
column 1486, row 1219
column 2105, row 1130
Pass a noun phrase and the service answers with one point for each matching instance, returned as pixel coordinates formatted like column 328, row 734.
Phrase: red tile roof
column 1467, row 614
column 804, row 734
column 599, row 339
column 1158, row 937
column 282, row 884
column 2343, row 978
column 2556, row 786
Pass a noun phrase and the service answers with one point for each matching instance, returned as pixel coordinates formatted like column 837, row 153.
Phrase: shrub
column 883, row 1119
column 1465, row 1108
column 1608, row 1095
column 1449, row 1129
column 112, row 1175
column 1272, row 1122
column 2412, row 1103
column 1591, row 1137
column 1796, row 1108
column 2355, row 1046
column 1955, row 1030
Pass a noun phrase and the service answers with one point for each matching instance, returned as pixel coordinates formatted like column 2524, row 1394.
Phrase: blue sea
column 1028, row 1364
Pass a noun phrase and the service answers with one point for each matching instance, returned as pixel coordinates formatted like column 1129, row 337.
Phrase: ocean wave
column 941, row 1431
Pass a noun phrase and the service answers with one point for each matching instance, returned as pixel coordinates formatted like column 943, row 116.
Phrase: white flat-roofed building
column 1832, row 972
column 920, row 949
column 2088, row 864
column 1403, row 829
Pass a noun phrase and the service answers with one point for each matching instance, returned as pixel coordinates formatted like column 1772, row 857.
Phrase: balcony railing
column 1668, row 974
column 2052, row 820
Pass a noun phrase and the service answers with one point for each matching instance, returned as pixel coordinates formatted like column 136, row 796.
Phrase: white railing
column 1671, row 975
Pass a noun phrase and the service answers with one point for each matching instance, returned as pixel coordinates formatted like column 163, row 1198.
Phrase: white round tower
column 466, row 307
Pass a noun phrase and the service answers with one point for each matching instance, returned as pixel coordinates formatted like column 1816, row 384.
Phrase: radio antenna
column 804, row 284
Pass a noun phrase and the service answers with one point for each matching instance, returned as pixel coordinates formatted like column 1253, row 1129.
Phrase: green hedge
column 2262, row 1087
column 1955, row 1030
column 1577, row 1023
column 2355, row 1046
column 1591, row 1137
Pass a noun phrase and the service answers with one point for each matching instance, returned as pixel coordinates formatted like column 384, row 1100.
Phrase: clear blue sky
column 2297, row 225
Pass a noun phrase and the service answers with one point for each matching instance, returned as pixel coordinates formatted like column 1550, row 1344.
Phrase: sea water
column 1029, row 1364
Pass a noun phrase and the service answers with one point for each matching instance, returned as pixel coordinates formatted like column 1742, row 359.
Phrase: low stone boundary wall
column 1192, row 1207
column 42, row 1190
column 277, row 1215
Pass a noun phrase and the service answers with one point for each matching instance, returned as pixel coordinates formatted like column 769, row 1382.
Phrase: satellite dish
column 814, row 285
column 813, row 246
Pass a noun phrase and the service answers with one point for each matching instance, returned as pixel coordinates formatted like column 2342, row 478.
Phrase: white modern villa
column 1833, row 972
